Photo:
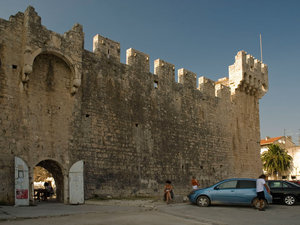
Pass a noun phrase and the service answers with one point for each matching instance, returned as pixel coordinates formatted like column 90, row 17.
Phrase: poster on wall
column 21, row 182
column 21, row 193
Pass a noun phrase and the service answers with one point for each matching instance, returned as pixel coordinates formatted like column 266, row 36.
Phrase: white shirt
column 260, row 185
column 195, row 187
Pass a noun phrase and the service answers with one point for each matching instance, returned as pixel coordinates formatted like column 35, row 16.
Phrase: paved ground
column 125, row 212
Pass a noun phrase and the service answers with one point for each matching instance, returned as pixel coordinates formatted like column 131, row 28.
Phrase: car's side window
column 246, row 184
column 287, row 185
column 275, row 184
column 228, row 184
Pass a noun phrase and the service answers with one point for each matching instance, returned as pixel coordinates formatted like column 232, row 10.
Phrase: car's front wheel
column 203, row 201
column 289, row 200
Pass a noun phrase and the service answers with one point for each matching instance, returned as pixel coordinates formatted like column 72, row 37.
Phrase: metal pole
column 261, row 57
column 299, row 137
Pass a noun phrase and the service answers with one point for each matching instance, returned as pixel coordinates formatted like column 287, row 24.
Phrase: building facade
column 103, row 127
column 286, row 143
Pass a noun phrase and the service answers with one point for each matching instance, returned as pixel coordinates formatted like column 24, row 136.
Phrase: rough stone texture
column 61, row 103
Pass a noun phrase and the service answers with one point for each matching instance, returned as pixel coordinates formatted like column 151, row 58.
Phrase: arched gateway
column 69, row 185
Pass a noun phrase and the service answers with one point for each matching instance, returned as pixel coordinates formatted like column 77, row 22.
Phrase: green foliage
column 276, row 160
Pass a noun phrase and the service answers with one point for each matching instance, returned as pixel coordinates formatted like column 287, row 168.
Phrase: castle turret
column 248, row 75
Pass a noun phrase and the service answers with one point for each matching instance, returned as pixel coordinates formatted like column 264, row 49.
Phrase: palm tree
column 276, row 160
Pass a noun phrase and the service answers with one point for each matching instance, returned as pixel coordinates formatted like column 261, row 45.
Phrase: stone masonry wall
column 137, row 136
column 132, row 128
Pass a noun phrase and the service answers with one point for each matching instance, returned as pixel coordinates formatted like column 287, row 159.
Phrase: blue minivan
column 235, row 191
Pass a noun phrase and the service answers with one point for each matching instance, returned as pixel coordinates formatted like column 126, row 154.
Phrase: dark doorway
column 49, row 172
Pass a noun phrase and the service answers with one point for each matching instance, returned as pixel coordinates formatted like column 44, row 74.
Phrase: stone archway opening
column 49, row 171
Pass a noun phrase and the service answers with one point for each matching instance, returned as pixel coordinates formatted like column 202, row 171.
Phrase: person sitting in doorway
column 48, row 190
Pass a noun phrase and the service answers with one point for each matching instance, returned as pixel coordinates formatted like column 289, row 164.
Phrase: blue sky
column 202, row 36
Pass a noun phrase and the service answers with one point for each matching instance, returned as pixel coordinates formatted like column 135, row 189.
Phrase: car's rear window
column 246, row 184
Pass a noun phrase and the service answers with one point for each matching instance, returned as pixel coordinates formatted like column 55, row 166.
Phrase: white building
column 293, row 150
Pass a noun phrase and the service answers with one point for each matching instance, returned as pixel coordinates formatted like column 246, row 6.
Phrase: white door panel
column 21, row 182
column 76, row 185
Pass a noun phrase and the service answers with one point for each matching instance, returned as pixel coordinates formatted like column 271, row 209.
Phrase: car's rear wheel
column 203, row 201
column 289, row 200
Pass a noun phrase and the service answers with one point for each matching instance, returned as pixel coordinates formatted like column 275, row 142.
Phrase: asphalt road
column 147, row 212
column 239, row 215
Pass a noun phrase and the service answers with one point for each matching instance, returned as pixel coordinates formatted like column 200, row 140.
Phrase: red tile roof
column 269, row 140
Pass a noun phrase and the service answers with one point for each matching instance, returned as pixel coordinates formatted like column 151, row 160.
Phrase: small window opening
column 108, row 53
column 155, row 84
column 0, row 63
column 87, row 115
column 136, row 124
column 14, row 66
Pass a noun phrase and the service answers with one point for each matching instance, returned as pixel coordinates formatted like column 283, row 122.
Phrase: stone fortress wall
column 61, row 103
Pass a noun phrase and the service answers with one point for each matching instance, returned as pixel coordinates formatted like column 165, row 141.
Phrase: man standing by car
column 260, row 184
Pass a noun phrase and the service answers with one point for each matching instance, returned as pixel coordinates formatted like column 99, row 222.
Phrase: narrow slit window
column 155, row 84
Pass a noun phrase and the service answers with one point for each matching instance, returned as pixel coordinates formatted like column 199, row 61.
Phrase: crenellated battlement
column 138, row 60
column 206, row 86
column 249, row 75
column 105, row 47
column 31, row 16
column 164, row 70
column 187, row 78
column 222, row 91
column 246, row 74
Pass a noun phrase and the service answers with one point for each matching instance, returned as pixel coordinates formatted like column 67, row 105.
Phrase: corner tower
column 248, row 82
column 248, row 75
